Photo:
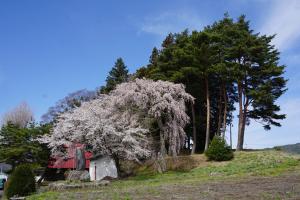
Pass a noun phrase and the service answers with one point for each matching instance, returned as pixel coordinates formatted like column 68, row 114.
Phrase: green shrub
column 218, row 150
column 277, row 148
column 21, row 182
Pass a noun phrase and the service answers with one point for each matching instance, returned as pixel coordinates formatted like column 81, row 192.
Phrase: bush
column 277, row 148
column 218, row 150
column 21, row 182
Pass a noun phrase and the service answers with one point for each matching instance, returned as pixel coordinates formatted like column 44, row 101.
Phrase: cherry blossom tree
column 162, row 101
column 119, row 124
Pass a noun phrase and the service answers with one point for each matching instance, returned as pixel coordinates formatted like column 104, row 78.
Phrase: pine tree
column 154, row 57
column 223, row 64
column 118, row 74
column 220, row 33
column 18, row 145
column 169, row 40
column 258, row 77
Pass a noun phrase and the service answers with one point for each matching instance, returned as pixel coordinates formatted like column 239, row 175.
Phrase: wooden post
column 95, row 172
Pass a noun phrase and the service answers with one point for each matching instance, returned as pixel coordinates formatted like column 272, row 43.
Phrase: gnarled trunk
column 173, row 149
column 162, row 139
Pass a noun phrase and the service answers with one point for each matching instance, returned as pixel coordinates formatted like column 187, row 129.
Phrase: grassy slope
column 245, row 164
column 291, row 148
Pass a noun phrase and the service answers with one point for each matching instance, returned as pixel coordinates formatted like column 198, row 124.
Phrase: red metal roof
column 69, row 162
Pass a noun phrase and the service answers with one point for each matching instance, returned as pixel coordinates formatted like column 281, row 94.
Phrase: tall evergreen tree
column 203, row 61
column 258, row 76
column 118, row 74
column 154, row 57
column 181, row 60
column 223, row 64
column 220, row 33
column 169, row 40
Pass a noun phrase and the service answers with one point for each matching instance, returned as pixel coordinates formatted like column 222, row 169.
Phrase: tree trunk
column 117, row 161
column 244, row 119
column 162, row 139
column 241, row 119
column 244, row 125
column 207, row 115
column 173, row 151
column 225, row 111
column 194, row 129
column 230, row 135
column 219, row 112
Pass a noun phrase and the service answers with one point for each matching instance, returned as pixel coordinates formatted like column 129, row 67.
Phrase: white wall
column 105, row 166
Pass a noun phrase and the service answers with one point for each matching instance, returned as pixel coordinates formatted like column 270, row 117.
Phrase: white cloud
column 167, row 22
column 283, row 20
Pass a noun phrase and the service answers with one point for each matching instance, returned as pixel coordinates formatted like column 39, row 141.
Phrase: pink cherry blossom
column 119, row 123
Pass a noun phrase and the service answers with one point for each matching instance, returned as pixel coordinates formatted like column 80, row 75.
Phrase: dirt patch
column 283, row 187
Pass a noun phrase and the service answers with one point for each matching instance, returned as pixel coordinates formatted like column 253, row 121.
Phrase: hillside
column 291, row 148
column 251, row 175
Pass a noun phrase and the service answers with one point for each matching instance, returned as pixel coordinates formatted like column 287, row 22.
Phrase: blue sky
column 49, row 48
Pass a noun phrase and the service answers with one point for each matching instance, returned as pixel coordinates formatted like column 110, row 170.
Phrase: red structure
column 70, row 161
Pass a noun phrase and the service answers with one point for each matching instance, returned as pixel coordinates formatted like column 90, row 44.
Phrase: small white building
column 3, row 179
column 101, row 167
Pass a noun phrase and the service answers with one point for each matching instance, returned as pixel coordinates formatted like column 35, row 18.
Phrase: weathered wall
column 103, row 167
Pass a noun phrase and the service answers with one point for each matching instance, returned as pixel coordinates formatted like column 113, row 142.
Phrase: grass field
column 250, row 175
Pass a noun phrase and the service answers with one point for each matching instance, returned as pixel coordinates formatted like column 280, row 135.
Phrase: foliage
column 227, row 62
column 71, row 101
column 277, row 148
column 21, row 182
column 18, row 145
column 19, row 116
column 119, row 124
column 188, row 59
column 117, row 75
column 218, row 150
